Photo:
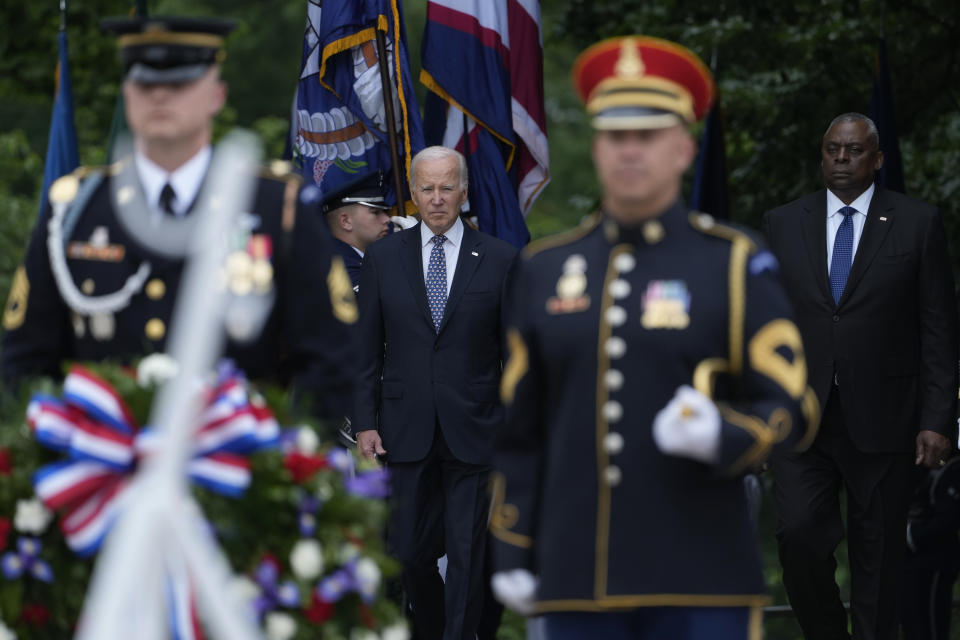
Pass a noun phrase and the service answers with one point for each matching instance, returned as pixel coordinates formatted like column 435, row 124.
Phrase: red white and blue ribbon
column 96, row 430
column 93, row 426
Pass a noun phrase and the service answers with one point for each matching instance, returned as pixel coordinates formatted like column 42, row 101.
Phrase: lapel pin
column 474, row 253
column 883, row 218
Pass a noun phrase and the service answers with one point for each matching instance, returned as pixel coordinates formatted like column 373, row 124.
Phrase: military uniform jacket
column 607, row 323
column 351, row 260
column 305, row 340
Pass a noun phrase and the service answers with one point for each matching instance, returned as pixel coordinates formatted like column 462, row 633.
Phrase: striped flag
column 483, row 63
column 340, row 117
column 62, row 156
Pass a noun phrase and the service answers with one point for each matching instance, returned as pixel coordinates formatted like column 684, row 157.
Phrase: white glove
column 516, row 588
column 689, row 426
column 403, row 222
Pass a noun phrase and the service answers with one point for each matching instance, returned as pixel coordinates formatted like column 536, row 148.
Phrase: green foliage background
column 784, row 69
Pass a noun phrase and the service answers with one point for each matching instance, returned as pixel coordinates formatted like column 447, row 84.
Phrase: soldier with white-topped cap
column 358, row 216
column 101, row 274
column 653, row 359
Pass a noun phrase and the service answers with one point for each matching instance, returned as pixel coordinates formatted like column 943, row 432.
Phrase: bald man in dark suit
column 870, row 279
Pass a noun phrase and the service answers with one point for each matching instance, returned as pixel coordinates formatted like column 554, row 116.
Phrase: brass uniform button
column 156, row 289
column 88, row 286
column 155, row 329
column 653, row 231
column 125, row 195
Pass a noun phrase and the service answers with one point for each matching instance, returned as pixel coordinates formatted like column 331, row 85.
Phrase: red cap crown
column 639, row 82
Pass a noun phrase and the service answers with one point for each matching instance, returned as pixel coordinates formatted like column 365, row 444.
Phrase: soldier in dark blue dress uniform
column 101, row 274
column 653, row 360
column 357, row 216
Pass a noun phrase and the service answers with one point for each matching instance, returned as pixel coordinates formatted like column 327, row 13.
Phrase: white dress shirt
column 834, row 218
column 451, row 248
column 185, row 180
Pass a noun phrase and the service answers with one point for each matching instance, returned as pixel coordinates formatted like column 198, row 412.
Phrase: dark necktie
column 842, row 254
column 167, row 196
column 437, row 281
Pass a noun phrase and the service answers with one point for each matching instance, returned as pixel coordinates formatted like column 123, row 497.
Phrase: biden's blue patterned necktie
column 842, row 254
column 437, row 281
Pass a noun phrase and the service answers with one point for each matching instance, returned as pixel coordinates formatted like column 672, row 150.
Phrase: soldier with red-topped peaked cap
column 653, row 359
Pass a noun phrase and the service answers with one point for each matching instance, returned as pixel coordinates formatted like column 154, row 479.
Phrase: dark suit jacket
column 892, row 338
column 412, row 377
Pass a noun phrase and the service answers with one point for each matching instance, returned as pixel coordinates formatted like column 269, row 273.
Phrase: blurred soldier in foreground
column 357, row 216
column 652, row 360
column 101, row 273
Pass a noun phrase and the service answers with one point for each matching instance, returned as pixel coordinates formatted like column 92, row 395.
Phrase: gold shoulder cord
column 288, row 217
column 503, row 516
column 564, row 237
column 16, row 309
column 342, row 300
column 517, row 365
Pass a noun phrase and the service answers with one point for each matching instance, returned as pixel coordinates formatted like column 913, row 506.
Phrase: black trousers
column 809, row 528
column 439, row 505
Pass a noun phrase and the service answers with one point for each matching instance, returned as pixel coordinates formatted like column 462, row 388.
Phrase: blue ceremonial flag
column 62, row 156
column 709, row 191
column 483, row 63
column 340, row 118
column 890, row 175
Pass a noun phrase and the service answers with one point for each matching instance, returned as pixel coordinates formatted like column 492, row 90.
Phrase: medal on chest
column 665, row 305
column 571, row 288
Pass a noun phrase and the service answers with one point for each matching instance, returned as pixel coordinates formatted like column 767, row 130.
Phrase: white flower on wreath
column 324, row 490
column 306, row 559
column 363, row 634
column 307, row 441
column 368, row 576
column 6, row 633
column 279, row 626
column 397, row 631
column 243, row 591
column 32, row 517
column 156, row 369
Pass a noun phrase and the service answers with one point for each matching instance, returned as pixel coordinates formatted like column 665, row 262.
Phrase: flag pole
column 391, row 121
column 63, row 15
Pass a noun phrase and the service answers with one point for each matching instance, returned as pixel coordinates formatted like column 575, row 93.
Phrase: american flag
column 483, row 63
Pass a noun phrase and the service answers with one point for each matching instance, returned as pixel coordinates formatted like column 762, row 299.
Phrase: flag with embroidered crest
column 340, row 120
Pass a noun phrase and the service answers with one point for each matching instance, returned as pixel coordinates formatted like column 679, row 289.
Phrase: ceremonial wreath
column 301, row 522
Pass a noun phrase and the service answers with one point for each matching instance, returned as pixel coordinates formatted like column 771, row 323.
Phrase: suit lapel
column 468, row 259
column 814, row 225
column 874, row 232
column 412, row 263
